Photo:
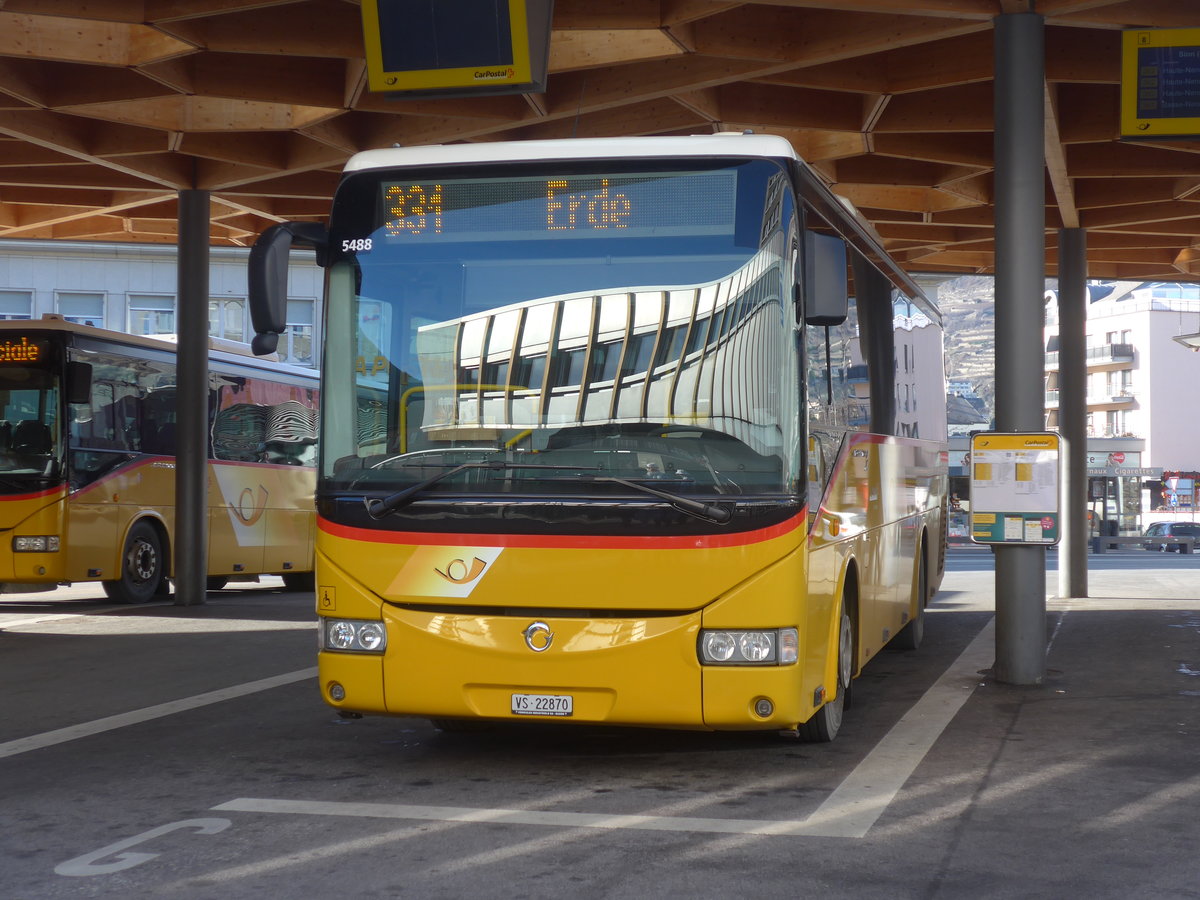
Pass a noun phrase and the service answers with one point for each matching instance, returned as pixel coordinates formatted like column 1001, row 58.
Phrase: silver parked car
column 1158, row 536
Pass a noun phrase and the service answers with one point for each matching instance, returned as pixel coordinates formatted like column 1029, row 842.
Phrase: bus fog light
column 763, row 708
column 353, row 635
column 337, row 692
column 35, row 543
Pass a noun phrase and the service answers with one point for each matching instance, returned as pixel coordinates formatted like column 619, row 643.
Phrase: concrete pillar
column 1072, row 411
column 191, row 393
column 1020, row 287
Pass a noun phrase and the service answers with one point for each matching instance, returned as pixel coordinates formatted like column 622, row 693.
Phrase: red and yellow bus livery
column 642, row 431
column 87, row 466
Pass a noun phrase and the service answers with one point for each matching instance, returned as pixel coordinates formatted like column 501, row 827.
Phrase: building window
column 82, row 309
column 227, row 318
column 151, row 314
column 16, row 304
column 296, row 342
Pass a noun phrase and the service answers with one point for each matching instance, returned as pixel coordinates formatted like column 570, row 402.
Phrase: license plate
column 542, row 704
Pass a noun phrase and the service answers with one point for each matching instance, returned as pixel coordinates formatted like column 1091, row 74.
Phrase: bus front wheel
column 827, row 721
column 142, row 568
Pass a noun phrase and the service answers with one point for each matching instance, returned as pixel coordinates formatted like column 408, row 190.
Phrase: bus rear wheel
column 142, row 569
column 826, row 722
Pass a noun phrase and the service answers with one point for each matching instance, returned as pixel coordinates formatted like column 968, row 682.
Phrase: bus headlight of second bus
column 353, row 635
column 725, row 647
column 35, row 543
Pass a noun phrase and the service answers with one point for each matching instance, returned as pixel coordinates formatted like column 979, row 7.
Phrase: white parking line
column 849, row 812
column 137, row 716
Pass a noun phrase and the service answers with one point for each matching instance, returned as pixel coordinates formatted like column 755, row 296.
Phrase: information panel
column 1014, row 488
column 1160, row 83
column 456, row 47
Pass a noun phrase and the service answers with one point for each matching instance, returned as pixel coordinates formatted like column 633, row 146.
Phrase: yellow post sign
column 1014, row 488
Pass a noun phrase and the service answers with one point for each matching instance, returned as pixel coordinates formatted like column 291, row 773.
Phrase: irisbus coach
column 87, row 462
column 643, row 431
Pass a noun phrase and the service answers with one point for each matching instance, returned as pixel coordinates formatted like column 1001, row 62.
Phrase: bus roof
column 218, row 348
column 723, row 144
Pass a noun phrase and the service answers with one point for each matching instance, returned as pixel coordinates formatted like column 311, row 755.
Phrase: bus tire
column 913, row 632
column 215, row 582
column 142, row 566
column 826, row 722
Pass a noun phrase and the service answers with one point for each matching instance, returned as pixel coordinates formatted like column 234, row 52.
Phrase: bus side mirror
column 267, row 277
column 79, row 382
column 826, row 301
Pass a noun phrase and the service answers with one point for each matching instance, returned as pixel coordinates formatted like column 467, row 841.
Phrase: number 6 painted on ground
column 88, row 865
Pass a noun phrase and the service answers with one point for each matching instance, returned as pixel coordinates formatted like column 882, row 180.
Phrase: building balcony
column 1114, row 399
column 1106, row 355
column 1118, row 399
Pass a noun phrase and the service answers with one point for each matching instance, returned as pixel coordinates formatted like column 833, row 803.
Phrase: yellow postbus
column 87, row 468
column 643, row 431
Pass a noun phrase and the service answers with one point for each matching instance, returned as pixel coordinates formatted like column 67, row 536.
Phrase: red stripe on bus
column 571, row 541
column 34, row 496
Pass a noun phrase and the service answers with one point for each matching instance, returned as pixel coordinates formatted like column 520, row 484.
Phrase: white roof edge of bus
column 722, row 144
column 230, row 351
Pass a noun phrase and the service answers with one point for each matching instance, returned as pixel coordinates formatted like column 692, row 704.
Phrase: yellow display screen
column 590, row 206
column 22, row 351
column 1160, row 83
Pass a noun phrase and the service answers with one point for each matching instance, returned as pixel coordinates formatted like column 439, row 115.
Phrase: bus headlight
column 35, row 543
column 775, row 647
column 353, row 635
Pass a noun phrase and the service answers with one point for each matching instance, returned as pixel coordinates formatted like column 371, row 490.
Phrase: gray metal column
column 1072, row 410
column 191, row 456
column 1020, row 287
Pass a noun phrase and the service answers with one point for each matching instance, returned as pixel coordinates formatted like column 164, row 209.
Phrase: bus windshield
column 567, row 323
column 30, row 448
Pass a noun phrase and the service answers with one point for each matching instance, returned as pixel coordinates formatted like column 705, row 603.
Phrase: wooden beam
column 580, row 49
column 1056, row 162
column 106, row 43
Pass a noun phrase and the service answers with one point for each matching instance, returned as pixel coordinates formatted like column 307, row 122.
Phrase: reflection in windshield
column 580, row 361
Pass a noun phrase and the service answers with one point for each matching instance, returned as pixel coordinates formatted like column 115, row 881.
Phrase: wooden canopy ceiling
column 109, row 107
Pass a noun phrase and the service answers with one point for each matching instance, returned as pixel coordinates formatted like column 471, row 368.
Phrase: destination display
column 573, row 206
column 22, row 350
column 1160, row 83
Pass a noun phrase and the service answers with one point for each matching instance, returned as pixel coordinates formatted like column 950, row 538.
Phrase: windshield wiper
column 709, row 511
column 378, row 508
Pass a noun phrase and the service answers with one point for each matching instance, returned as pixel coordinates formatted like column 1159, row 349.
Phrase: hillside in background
column 967, row 303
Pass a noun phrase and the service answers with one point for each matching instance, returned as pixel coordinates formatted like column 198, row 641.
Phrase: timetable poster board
column 1014, row 488
column 1160, row 83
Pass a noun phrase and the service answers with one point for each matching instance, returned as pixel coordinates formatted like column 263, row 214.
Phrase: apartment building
column 133, row 288
column 1143, row 408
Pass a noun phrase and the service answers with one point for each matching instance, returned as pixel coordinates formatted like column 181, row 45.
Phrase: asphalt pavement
column 164, row 751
